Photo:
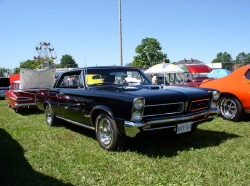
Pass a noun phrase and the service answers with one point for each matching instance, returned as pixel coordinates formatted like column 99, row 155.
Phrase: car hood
column 152, row 94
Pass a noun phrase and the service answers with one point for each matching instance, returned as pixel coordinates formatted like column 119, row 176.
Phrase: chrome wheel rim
column 105, row 132
column 229, row 108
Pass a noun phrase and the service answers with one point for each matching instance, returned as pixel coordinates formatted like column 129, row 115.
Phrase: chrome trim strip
column 162, row 114
column 76, row 123
column 24, row 104
column 16, row 99
column 166, row 127
column 132, row 128
column 164, row 104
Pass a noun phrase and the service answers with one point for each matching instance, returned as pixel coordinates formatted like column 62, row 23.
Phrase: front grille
column 163, row 109
column 199, row 105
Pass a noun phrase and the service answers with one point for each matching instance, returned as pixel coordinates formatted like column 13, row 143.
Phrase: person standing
column 70, row 80
column 154, row 79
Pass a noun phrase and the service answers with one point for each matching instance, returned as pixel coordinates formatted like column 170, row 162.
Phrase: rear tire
column 50, row 116
column 107, row 134
column 231, row 108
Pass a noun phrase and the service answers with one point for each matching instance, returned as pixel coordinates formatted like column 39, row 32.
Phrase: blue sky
column 88, row 30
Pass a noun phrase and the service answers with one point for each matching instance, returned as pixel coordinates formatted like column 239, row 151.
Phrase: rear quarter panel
column 235, row 83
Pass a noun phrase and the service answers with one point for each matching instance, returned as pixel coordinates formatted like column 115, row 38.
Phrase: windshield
column 115, row 76
column 4, row 82
column 201, row 75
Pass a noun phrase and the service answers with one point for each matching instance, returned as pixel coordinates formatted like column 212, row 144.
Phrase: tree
column 225, row 59
column 16, row 70
column 68, row 62
column 243, row 57
column 149, row 53
column 29, row 64
column 4, row 72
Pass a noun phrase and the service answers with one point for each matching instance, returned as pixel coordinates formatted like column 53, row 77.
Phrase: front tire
column 231, row 108
column 50, row 116
column 107, row 134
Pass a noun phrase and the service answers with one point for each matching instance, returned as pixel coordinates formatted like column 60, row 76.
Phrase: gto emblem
column 201, row 104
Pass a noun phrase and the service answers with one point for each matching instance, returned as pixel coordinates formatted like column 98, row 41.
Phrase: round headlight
column 136, row 116
column 216, row 95
column 139, row 103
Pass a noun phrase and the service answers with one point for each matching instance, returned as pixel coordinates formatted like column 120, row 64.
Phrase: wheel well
column 44, row 105
column 228, row 94
column 95, row 113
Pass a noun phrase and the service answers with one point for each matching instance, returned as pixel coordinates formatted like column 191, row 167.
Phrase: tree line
column 66, row 61
column 149, row 53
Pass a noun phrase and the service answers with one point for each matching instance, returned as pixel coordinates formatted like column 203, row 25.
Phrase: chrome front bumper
column 2, row 93
column 132, row 129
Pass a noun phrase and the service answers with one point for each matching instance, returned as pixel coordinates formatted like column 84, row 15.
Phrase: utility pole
column 120, row 29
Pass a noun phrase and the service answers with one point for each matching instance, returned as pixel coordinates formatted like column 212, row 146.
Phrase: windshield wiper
column 104, row 83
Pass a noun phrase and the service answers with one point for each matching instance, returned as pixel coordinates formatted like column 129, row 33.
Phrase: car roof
column 198, row 68
column 101, row 67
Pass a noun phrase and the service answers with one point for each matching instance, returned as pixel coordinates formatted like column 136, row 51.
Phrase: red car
column 25, row 85
column 197, row 74
column 234, row 88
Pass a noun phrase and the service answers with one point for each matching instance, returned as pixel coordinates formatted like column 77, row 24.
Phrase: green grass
column 31, row 153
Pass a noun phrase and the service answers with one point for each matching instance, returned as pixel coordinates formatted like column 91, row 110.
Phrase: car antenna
column 85, row 73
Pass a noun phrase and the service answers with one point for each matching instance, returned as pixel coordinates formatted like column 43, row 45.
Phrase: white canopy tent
column 171, row 68
column 165, row 68
column 158, row 68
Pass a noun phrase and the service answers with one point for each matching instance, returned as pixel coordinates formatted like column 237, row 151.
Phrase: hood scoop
column 154, row 87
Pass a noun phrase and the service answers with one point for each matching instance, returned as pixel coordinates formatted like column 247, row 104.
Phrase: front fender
column 118, row 121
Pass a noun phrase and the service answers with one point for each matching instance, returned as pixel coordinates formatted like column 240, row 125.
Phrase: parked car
column 234, row 99
column 197, row 74
column 25, row 85
column 121, row 102
column 4, row 85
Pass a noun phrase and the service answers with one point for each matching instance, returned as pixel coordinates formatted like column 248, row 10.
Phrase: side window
column 69, row 81
column 247, row 75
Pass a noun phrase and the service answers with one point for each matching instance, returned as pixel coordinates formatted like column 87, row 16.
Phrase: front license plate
column 184, row 127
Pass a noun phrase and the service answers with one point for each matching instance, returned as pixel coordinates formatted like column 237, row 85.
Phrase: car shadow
column 164, row 144
column 168, row 145
column 14, row 167
column 75, row 128
column 29, row 111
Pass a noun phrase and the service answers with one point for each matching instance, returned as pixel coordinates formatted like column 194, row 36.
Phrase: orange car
column 235, row 95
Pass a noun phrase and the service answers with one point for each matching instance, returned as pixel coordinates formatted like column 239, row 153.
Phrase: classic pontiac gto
column 121, row 102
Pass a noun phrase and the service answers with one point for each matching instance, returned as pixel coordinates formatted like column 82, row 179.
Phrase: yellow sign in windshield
column 94, row 78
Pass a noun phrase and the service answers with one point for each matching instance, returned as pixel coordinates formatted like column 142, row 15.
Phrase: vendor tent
column 171, row 68
column 158, row 68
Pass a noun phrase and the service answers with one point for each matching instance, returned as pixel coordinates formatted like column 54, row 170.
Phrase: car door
column 74, row 105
